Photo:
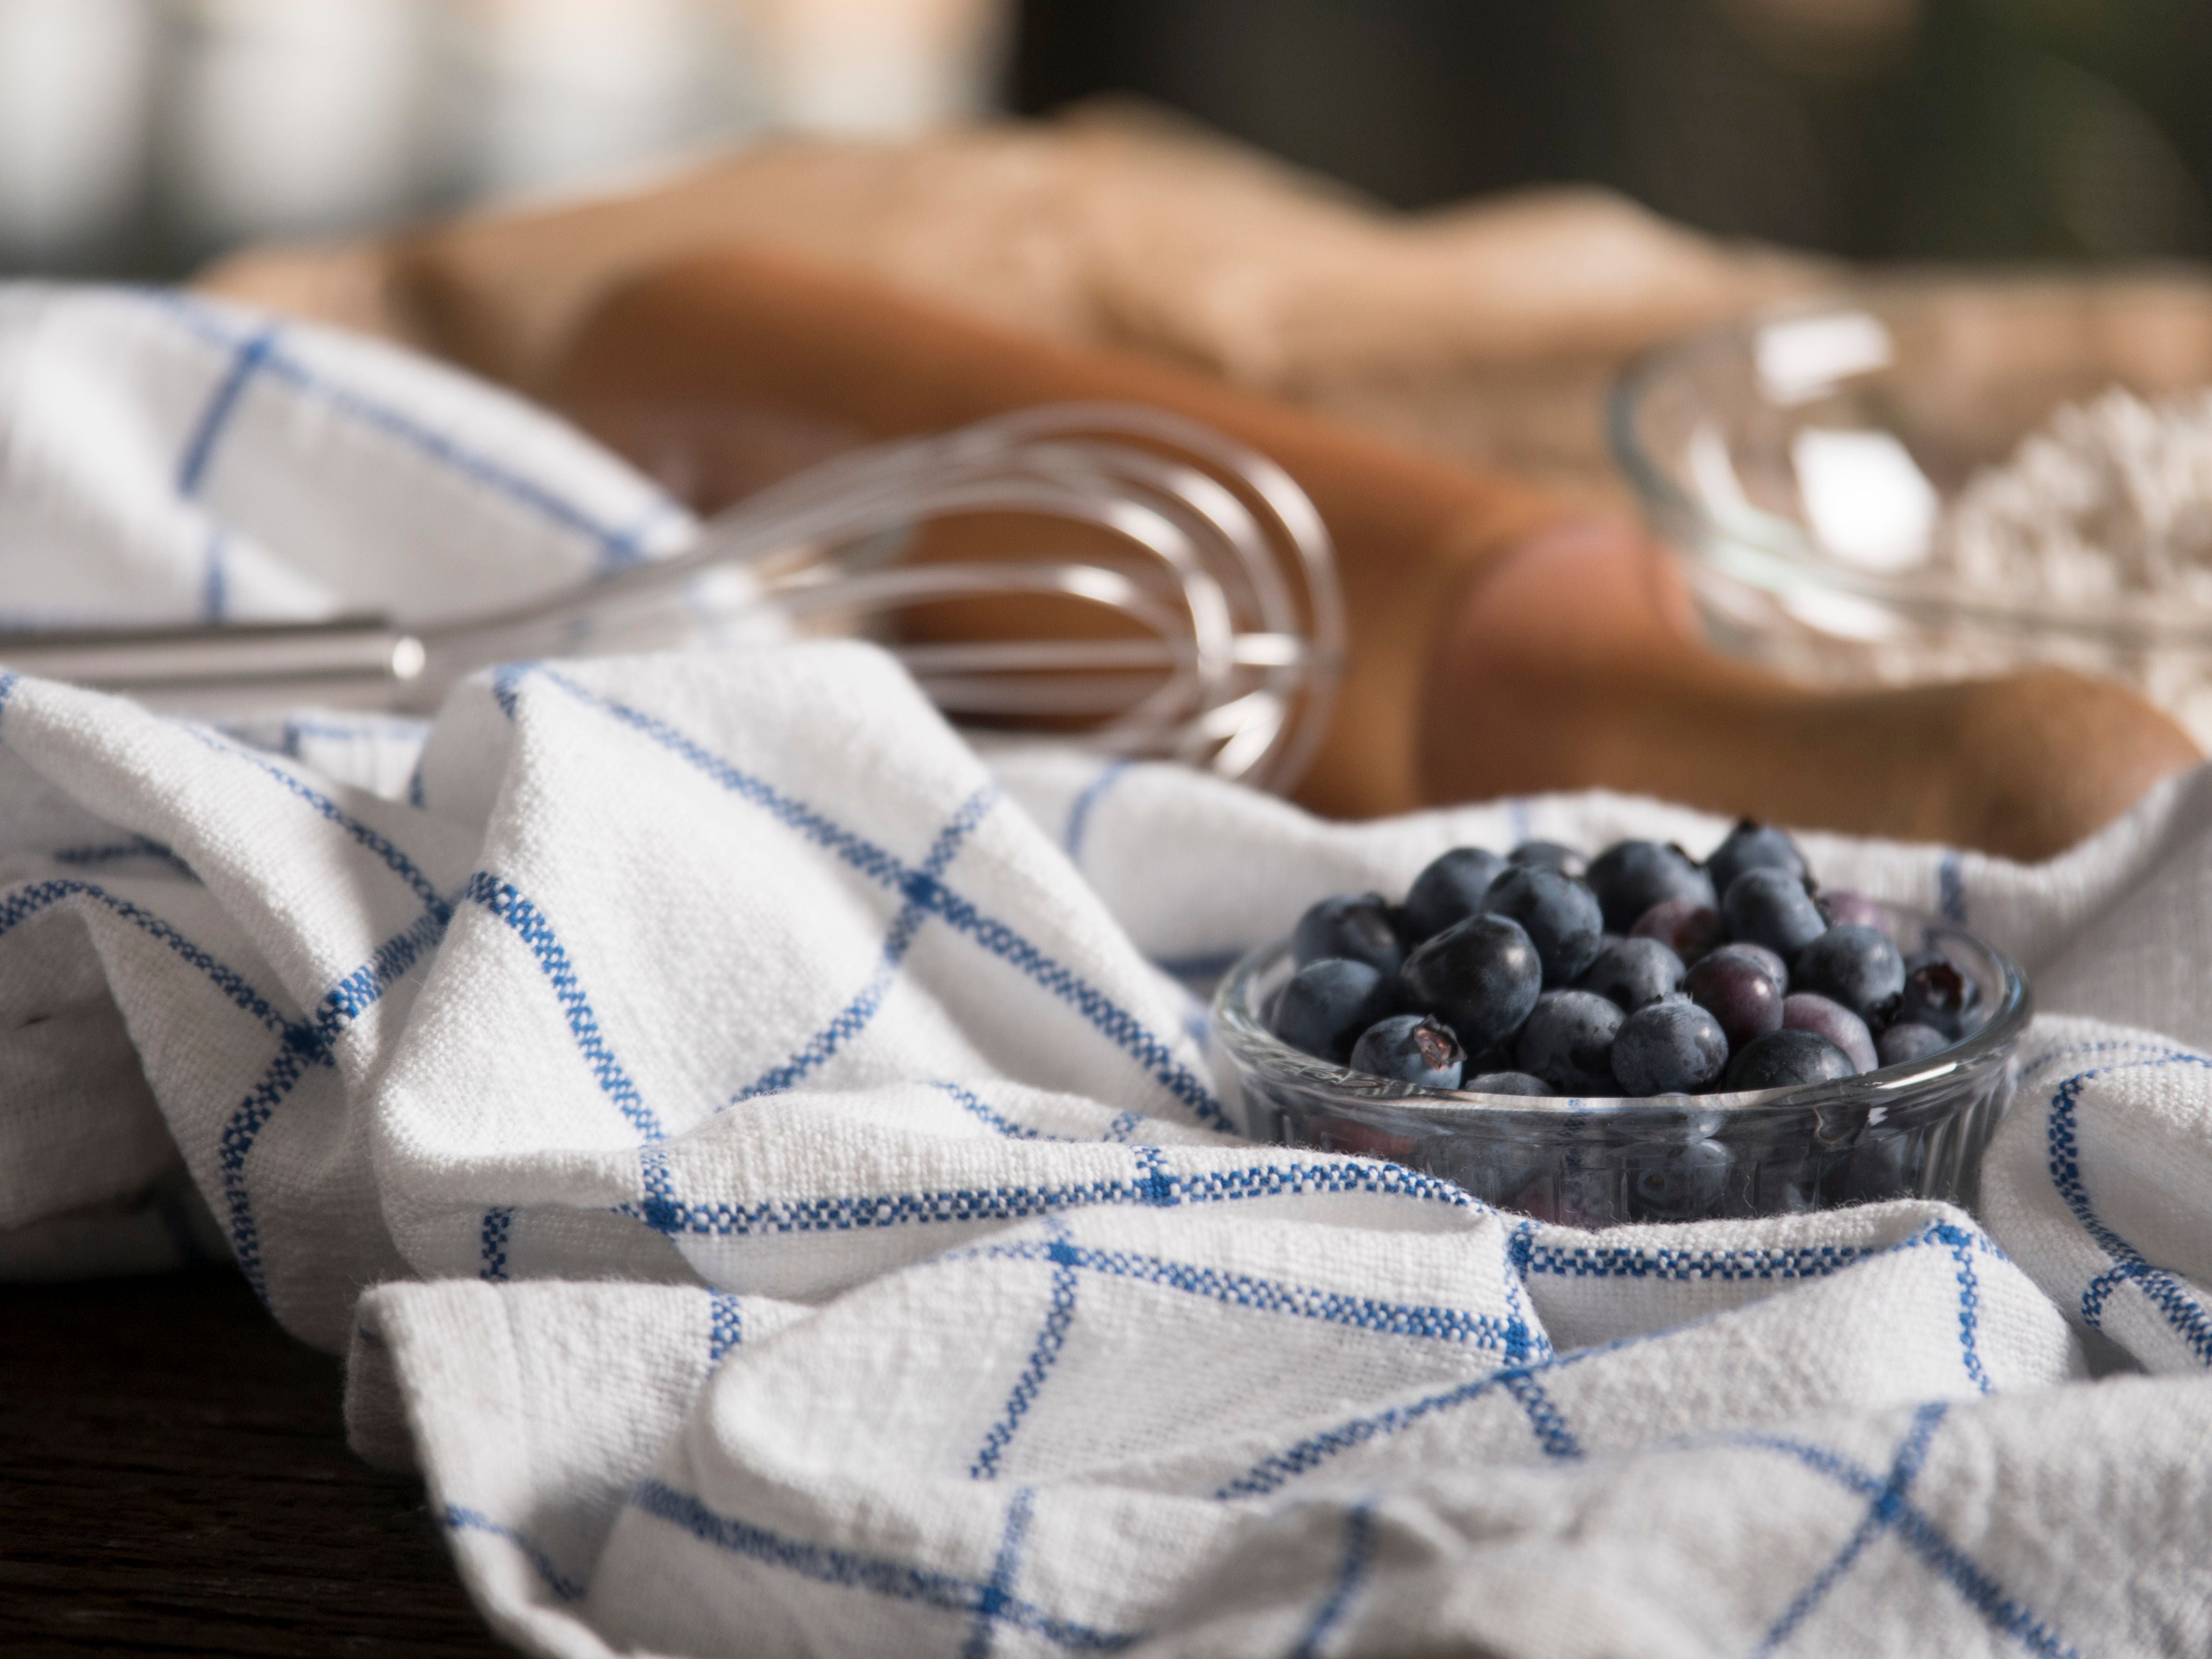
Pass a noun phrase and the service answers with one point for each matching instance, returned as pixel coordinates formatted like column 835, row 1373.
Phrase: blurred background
column 141, row 138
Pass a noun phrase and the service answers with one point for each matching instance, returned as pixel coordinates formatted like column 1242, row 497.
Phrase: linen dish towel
column 763, row 1177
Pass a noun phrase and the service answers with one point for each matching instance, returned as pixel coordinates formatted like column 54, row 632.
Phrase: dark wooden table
column 174, row 1479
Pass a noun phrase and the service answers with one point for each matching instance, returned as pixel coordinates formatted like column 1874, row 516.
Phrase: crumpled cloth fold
column 767, row 1178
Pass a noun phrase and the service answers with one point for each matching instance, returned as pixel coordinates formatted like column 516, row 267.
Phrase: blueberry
column 1564, row 860
column 1410, row 1048
column 1803, row 1011
column 1679, row 1183
column 1767, row 959
column 1772, row 907
column 1633, row 973
column 1936, row 993
column 1630, row 877
column 1568, row 1042
column 1855, row 965
column 1326, row 1004
column 1671, row 1048
column 1754, row 846
column 1685, row 927
column 1352, row 927
column 1908, row 1040
column 1736, row 988
column 1559, row 912
column 1506, row 1083
column 1786, row 1059
column 1480, row 977
column 1450, row 889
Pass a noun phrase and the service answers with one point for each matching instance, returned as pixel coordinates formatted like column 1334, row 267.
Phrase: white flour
column 2110, row 496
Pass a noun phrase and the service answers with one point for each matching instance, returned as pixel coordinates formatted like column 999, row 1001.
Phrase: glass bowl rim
column 1255, row 1047
column 1772, row 552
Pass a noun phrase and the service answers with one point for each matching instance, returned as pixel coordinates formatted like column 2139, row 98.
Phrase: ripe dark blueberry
column 1354, row 928
column 1568, row 1042
column 1630, row 877
column 1936, row 993
column 1480, row 977
column 1395, row 997
column 1908, row 1040
column 1683, row 925
column 1764, row 958
column 1754, row 846
column 1559, row 912
column 1852, row 964
column 1410, row 1048
column 1803, row 1010
column 1633, row 973
column 1450, row 889
column 1736, row 988
column 1564, row 860
column 1679, row 1183
column 1326, row 1004
column 1772, row 907
column 1671, row 1048
column 1785, row 1059
column 1506, row 1083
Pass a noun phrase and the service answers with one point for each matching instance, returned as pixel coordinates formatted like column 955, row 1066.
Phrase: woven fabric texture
column 768, row 1178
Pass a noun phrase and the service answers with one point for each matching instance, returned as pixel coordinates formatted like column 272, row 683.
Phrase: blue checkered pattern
column 805, row 1219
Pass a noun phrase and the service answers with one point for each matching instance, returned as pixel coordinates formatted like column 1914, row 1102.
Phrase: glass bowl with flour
column 1944, row 479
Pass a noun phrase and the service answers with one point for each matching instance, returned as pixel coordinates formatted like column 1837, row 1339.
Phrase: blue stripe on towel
column 894, row 1580
column 1006, row 1573
column 1013, row 1201
column 1044, row 1354
column 1261, row 1295
column 1913, row 1528
column 1882, row 1512
column 725, row 1325
column 2165, row 1290
column 248, row 357
column 388, row 853
column 1351, row 1577
column 1116, row 1024
column 855, row 1017
column 457, row 1519
column 1078, row 813
column 616, row 547
column 504, row 900
column 498, row 1227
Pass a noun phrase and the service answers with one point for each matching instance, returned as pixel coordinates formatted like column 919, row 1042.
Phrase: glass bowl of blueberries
column 1638, row 1036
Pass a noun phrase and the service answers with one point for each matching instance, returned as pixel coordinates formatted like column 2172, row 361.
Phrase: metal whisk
column 1221, row 562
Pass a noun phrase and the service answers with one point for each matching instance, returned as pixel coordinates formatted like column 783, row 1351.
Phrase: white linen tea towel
column 762, row 1180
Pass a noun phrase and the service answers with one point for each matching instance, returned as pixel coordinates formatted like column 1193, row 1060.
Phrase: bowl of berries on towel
column 1632, row 1036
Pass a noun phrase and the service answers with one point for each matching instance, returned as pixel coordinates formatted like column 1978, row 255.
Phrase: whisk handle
column 354, row 660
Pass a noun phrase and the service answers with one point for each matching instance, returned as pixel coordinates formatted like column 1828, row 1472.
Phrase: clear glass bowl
column 1903, row 1131
column 1796, row 460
